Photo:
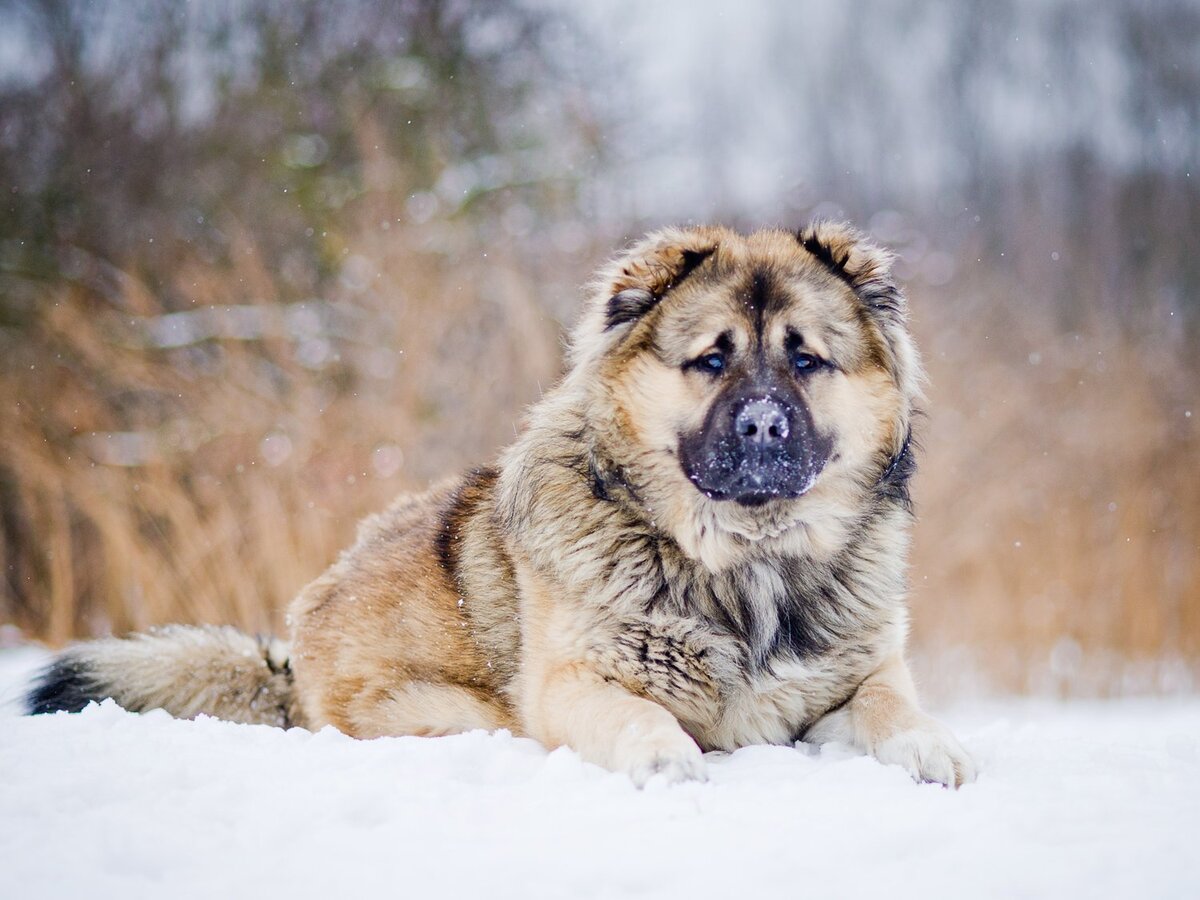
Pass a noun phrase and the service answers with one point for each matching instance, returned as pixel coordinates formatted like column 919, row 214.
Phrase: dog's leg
column 424, row 708
column 884, row 719
column 564, row 700
column 607, row 725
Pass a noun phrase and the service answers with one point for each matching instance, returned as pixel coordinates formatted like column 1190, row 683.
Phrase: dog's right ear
column 857, row 260
column 634, row 282
column 627, row 306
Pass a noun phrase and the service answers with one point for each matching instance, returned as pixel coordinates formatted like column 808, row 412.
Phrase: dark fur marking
column 878, row 292
column 67, row 684
column 817, row 615
column 893, row 484
column 756, row 299
column 610, row 481
column 825, row 255
column 763, row 297
column 796, row 634
column 264, row 647
column 462, row 502
column 691, row 259
column 628, row 306
column 662, row 664
column 599, row 487
column 631, row 304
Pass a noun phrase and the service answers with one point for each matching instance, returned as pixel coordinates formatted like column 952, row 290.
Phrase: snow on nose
column 762, row 422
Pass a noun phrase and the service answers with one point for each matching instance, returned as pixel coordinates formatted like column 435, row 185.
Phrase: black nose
column 762, row 422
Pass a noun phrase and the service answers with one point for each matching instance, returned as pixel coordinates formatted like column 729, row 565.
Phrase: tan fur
column 587, row 594
column 381, row 621
column 883, row 718
column 190, row 670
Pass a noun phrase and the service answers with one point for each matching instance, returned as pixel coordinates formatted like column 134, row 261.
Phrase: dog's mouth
column 757, row 486
column 754, row 499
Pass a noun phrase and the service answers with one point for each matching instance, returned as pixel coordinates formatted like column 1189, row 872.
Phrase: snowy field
column 1075, row 800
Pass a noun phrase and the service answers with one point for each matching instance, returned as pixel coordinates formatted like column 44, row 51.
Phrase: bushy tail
column 186, row 670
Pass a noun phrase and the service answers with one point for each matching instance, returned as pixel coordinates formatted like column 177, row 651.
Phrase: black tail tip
column 67, row 684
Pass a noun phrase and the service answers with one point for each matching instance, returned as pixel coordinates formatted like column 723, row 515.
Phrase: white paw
column 929, row 752
column 664, row 752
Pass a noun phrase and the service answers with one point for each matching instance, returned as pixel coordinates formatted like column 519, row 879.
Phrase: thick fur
column 584, row 591
column 187, row 670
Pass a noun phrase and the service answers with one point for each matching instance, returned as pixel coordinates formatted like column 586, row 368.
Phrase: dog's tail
column 186, row 670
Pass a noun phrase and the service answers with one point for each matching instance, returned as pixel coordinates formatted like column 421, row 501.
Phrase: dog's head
column 745, row 386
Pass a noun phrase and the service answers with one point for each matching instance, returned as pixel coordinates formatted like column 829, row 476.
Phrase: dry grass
column 1060, row 510
column 209, row 481
column 1059, row 541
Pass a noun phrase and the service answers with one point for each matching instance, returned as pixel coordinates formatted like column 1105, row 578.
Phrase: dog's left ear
column 865, row 266
column 634, row 282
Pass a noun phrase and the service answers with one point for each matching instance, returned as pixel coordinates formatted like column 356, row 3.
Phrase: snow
column 1075, row 799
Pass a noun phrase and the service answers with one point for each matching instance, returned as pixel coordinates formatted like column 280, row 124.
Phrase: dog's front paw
column 667, row 752
column 929, row 752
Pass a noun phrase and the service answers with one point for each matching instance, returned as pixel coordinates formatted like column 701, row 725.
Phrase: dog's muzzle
column 754, row 448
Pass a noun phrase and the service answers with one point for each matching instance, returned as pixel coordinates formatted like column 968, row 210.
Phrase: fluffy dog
column 698, row 542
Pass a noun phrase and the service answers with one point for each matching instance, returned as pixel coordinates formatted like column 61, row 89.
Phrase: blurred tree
column 135, row 133
column 239, row 244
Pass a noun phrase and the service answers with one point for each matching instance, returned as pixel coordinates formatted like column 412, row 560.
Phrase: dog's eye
column 806, row 362
column 713, row 363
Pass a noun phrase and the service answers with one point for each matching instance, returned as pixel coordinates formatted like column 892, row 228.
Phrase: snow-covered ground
column 1080, row 799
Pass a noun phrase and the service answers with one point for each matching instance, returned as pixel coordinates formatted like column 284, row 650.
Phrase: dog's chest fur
column 751, row 655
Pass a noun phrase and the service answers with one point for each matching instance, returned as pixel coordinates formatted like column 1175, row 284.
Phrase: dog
column 698, row 542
